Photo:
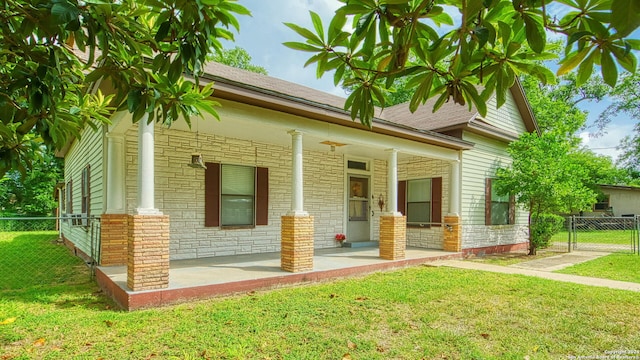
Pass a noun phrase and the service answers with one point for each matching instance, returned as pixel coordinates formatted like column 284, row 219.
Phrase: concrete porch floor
column 209, row 277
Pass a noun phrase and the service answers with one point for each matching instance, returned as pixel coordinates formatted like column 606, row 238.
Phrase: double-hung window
column 420, row 200
column 499, row 208
column 236, row 196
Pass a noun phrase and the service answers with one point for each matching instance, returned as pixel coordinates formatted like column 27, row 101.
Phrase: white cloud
column 606, row 144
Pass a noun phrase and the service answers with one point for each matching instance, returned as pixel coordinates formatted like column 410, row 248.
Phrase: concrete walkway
column 543, row 268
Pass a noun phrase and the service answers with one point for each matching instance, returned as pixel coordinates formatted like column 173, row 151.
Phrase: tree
column 32, row 193
column 550, row 173
column 55, row 51
column 626, row 100
column 495, row 41
column 238, row 58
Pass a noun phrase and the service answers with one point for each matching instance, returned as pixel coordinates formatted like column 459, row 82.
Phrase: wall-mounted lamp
column 381, row 202
column 449, row 227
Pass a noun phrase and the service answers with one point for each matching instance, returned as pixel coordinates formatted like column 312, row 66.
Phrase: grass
column 421, row 312
column 618, row 237
column 511, row 258
column 616, row 266
column 30, row 259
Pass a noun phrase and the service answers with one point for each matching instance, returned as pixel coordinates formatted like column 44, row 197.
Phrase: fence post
column 569, row 230
column 637, row 243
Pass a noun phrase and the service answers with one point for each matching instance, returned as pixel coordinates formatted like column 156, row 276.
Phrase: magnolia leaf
column 302, row 46
column 609, row 70
column 8, row 321
column 571, row 61
column 317, row 24
column 536, row 35
column 625, row 16
column 40, row 342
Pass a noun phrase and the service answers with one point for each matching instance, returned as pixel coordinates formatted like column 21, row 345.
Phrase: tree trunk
column 532, row 246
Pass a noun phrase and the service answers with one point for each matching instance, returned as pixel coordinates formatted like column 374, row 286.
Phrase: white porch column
column 297, row 175
column 146, row 168
column 454, row 189
column 115, row 174
column 392, row 182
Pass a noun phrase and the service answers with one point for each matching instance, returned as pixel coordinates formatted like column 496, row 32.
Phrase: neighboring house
column 616, row 200
column 287, row 170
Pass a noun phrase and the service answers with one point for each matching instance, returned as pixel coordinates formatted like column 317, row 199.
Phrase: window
column 602, row 204
column 358, row 165
column 236, row 196
column 69, row 194
column 499, row 209
column 86, row 193
column 421, row 201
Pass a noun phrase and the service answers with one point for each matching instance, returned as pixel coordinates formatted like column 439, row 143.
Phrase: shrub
column 544, row 227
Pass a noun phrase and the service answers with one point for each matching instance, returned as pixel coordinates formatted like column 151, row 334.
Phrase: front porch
column 224, row 275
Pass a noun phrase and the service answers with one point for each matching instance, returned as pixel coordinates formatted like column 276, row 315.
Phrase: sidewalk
column 543, row 268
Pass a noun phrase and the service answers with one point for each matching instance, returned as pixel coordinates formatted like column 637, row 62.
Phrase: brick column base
column 452, row 234
column 393, row 237
column 114, row 236
column 296, row 254
column 148, row 255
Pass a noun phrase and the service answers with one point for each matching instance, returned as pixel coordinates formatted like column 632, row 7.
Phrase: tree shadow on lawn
column 36, row 268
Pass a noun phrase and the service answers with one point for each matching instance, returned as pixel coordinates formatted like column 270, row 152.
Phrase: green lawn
column 621, row 237
column 617, row 266
column 421, row 312
column 29, row 259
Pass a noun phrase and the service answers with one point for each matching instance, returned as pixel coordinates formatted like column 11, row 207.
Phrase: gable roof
column 449, row 117
column 453, row 116
column 280, row 95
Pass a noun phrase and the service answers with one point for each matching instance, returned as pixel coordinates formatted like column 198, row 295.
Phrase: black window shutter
column 402, row 198
column 436, row 201
column 212, row 195
column 262, row 196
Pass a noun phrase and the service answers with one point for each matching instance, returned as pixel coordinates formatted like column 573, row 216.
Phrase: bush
column 544, row 227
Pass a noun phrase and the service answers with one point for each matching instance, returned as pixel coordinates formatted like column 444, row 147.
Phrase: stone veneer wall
column 478, row 236
column 148, row 252
column 297, row 243
column 114, row 237
column 419, row 168
column 180, row 192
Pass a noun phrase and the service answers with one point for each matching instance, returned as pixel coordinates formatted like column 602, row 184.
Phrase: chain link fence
column 33, row 254
column 605, row 233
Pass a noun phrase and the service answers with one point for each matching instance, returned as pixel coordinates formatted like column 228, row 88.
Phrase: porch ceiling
column 268, row 126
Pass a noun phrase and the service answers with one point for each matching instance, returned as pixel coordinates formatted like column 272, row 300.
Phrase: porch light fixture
column 196, row 158
column 197, row 162
column 333, row 144
column 381, row 202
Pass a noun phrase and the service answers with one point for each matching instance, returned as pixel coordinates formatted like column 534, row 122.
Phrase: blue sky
column 262, row 36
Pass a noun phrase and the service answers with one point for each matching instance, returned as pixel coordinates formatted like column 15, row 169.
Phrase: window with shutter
column 236, row 196
column 421, row 201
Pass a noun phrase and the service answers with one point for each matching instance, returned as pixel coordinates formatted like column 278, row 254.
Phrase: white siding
column 88, row 150
column 478, row 164
column 507, row 117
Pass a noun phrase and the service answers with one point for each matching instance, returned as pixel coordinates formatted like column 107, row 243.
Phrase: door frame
column 346, row 186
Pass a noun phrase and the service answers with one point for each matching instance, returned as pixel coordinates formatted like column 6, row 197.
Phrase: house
column 286, row 171
column 616, row 200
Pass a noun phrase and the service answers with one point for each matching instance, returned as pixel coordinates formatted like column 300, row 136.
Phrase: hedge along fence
column 13, row 224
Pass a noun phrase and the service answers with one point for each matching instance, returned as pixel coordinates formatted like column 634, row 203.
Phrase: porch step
column 358, row 244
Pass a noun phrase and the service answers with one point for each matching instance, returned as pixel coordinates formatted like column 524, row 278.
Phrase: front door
column 358, row 208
